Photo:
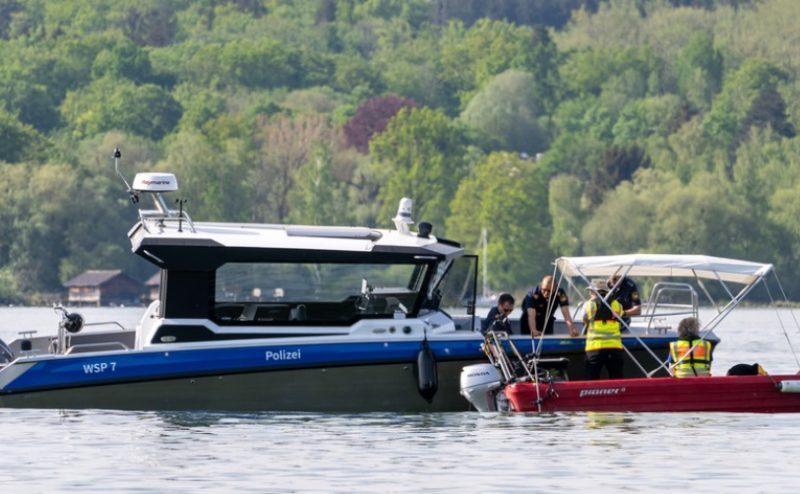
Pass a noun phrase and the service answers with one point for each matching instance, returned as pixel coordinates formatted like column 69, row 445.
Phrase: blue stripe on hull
column 90, row 370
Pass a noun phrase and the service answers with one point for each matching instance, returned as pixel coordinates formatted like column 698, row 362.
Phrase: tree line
column 577, row 127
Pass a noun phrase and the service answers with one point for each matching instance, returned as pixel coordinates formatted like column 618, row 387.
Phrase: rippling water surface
column 101, row 451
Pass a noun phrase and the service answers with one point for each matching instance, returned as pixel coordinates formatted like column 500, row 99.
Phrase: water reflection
column 599, row 420
column 392, row 452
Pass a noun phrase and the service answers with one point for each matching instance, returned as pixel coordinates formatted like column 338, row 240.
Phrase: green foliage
column 699, row 70
column 210, row 174
column 567, row 214
column 123, row 59
column 585, row 116
column 404, row 61
column 313, row 100
column 656, row 125
column 748, row 98
column 766, row 32
column 471, row 57
column 574, row 154
column 282, row 146
column 44, row 205
column 95, row 244
column 491, row 197
column 705, row 216
column 106, row 104
column 626, row 218
column 199, row 105
column 618, row 164
column 420, row 147
column 506, row 111
column 413, row 12
column 18, row 141
column 149, row 22
column 655, row 116
column 263, row 63
column 317, row 196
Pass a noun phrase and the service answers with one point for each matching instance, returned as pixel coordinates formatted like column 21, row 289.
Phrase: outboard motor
column 480, row 384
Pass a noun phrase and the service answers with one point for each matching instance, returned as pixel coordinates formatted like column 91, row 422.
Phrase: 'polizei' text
column 283, row 355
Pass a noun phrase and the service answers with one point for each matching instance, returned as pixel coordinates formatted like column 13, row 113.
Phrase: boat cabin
column 262, row 275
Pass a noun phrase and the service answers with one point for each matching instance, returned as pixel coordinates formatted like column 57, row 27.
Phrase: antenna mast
column 485, row 262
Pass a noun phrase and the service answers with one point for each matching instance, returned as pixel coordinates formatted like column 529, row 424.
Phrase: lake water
column 102, row 451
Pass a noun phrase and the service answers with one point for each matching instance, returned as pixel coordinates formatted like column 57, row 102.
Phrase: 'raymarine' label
column 279, row 355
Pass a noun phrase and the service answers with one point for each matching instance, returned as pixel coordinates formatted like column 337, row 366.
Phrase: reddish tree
column 371, row 118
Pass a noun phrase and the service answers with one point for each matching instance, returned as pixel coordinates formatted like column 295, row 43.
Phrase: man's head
column 546, row 286
column 613, row 280
column 505, row 304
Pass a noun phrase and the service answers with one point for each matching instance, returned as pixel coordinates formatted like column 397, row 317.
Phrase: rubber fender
column 426, row 373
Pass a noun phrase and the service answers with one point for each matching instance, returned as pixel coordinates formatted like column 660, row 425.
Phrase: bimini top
column 664, row 265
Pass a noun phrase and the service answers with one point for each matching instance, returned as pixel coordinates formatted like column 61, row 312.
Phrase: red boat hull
column 759, row 394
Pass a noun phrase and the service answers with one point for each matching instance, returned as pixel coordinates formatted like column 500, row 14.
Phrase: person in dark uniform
column 497, row 319
column 536, row 304
column 626, row 292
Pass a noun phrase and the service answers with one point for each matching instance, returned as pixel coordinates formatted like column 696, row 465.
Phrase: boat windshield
column 303, row 293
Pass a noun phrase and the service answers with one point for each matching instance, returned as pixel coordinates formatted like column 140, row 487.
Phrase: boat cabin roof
column 664, row 265
column 167, row 244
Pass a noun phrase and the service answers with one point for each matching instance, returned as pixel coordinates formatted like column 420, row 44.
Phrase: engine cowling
column 480, row 384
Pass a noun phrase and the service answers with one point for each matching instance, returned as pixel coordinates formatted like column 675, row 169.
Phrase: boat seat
column 377, row 306
column 555, row 367
column 228, row 312
column 272, row 312
column 554, row 363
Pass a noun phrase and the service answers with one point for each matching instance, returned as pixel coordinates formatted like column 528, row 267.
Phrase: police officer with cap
column 626, row 292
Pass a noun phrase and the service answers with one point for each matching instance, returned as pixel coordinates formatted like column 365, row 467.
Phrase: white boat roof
column 664, row 265
column 290, row 236
column 203, row 245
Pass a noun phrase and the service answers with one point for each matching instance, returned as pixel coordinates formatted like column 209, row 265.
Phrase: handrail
column 109, row 344
column 160, row 218
column 661, row 290
column 103, row 323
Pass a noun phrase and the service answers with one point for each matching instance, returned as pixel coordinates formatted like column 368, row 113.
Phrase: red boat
column 527, row 383
column 761, row 394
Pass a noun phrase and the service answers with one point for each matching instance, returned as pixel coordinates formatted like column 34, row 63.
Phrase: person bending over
column 535, row 319
column 497, row 319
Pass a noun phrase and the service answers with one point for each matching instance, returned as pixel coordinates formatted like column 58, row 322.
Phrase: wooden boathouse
column 104, row 287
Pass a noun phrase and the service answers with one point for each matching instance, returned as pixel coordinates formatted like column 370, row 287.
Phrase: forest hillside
column 575, row 127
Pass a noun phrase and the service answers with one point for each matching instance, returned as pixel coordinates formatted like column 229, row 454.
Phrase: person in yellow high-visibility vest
column 603, row 340
column 689, row 355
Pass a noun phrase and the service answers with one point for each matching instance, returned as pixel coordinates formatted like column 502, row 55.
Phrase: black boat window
column 456, row 289
column 315, row 293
